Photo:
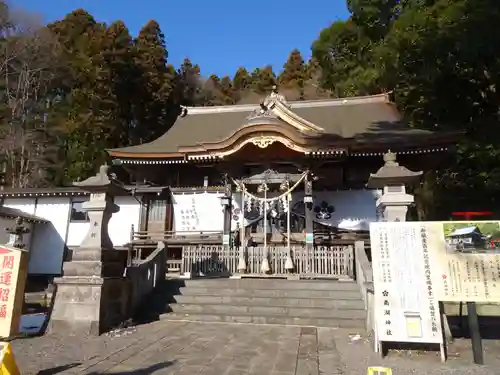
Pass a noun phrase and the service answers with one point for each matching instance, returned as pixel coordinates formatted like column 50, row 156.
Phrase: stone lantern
column 92, row 294
column 393, row 179
column 16, row 234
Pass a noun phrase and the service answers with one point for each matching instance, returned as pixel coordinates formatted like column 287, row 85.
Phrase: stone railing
column 364, row 278
column 319, row 261
column 145, row 275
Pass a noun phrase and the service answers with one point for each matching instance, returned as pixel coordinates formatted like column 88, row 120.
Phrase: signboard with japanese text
column 13, row 272
column 406, row 303
column 466, row 259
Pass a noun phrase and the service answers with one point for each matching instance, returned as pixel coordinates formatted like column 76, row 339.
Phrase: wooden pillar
column 308, row 204
column 226, row 234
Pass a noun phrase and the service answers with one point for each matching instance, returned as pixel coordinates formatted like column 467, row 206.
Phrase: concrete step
column 317, row 303
column 270, row 283
column 270, row 293
column 252, row 310
column 354, row 303
column 358, row 324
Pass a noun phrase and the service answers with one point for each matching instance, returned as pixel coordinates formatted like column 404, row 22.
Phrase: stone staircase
column 264, row 301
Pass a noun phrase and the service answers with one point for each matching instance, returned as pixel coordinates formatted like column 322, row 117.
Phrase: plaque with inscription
column 466, row 258
column 406, row 305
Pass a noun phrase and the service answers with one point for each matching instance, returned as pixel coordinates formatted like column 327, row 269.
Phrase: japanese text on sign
column 406, row 308
column 7, row 262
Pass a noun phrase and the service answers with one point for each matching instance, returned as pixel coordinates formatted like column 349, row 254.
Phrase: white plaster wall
column 47, row 247
column 121, row 222
column 76, row 233
column 24, row 204
column 119, row 225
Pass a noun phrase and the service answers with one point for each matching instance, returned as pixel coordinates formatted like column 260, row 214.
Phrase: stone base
column 89, row 305
column 95, row 262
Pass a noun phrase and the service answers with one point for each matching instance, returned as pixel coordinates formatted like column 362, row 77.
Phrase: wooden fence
column 317, row 262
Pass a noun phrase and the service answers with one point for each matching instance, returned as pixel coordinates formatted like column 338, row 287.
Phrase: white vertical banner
column 406, row 302
column 198, row 212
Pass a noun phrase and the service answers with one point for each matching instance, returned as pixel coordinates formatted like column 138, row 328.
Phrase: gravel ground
column 358, row 355
column 169, row 347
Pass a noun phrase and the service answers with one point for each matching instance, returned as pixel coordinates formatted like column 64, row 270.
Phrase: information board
column 466, row 260
column 464, row 256
column 406, row 304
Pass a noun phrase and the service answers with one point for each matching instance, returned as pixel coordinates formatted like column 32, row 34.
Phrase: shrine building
column 256, row 183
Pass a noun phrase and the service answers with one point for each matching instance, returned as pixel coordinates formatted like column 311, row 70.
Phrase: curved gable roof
column 370, row 117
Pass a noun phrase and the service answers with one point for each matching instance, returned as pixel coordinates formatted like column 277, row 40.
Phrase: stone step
column 228, row 299
column 273, row 284
column 358, row 324
column 270, row 293
column 253, row 310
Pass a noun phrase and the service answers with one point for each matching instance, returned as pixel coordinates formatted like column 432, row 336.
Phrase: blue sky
column 218, row 35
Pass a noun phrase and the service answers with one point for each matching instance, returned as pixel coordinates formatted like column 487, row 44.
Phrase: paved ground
column 181, row 348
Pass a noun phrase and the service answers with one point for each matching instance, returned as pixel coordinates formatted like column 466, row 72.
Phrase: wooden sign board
column 13, row 272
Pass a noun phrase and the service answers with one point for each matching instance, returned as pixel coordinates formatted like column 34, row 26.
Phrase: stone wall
column 364, row 278
column 145, row 275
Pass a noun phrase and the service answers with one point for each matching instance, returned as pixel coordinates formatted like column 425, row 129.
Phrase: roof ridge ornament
column 267, row 104
column 262, row 111
column 390, row 158
column 277, row 96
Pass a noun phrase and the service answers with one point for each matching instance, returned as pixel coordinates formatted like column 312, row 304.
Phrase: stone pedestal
column 89, row 305
column 394, row 205
column 92, row 296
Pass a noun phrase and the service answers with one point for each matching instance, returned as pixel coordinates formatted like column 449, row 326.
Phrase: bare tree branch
column 28, row 64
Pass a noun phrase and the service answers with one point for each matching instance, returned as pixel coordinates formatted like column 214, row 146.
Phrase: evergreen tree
column 227, row 91
column 263, row 79
column 189, row 83
column 156, row 101
column 294, row 74
column 294, row 70
column 241, row 79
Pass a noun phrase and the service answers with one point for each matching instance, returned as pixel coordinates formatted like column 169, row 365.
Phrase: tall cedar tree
column 294, row 74
column 156, row 104
column 263, row 79
column 189, row 83
column 242, row 79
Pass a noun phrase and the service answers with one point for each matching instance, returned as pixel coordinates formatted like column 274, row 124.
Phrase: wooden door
column 159, row 218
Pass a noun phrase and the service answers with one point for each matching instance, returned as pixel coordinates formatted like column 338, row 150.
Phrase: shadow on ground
column 489, row 327
column 144, row 371
column 55, row 370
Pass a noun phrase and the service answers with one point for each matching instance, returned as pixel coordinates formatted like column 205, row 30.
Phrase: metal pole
column 288, row 220
column 265, row 262
column 265, row 217
column 475, row 335
column 242, row 265
column 243, row 228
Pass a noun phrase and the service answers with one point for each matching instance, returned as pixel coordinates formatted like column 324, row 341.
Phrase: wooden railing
column 320, row 261
column 155, row 236
column 329, row 257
